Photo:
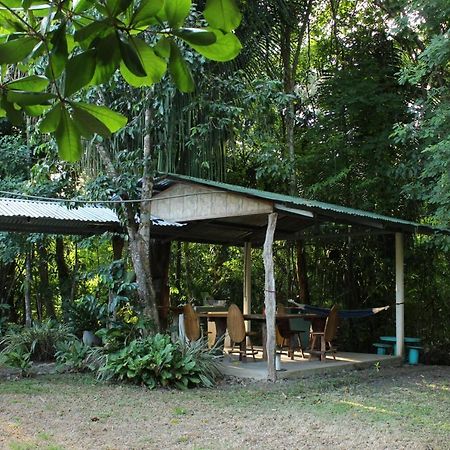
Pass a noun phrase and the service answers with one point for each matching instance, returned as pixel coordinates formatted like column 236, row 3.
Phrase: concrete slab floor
column 303, row 367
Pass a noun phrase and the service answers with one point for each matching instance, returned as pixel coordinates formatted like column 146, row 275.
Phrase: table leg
column 264, row 339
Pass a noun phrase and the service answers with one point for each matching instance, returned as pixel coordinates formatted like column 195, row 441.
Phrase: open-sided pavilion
column 197, row 210
column 215, row 212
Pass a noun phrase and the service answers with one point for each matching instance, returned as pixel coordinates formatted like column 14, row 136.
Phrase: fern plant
column 40, row 340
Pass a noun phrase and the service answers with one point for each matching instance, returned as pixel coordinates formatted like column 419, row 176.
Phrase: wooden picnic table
column 220, row 320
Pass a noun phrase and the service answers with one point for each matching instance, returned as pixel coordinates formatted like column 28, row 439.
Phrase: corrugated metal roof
column 324, row 211
column 36, row 216
column 10, row 207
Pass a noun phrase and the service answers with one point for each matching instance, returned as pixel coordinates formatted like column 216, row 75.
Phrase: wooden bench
column 382, row 348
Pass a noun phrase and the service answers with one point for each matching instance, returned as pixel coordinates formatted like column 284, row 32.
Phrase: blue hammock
column 344, row 313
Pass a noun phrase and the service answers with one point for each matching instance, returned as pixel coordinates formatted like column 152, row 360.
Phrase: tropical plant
column 157, row 361
column 19, row 358
column 72, row 356
column 40, row 340
column 120, row 333
column 87, row 313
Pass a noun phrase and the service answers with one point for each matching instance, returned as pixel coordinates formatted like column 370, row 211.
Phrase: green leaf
column 33, row 83
column 176, row 11
column 89, row 32
column 111, row 119
column 226, row 47
column 79, row 71
column 196, row 36
column 25, row 98
column 146, row 12
column 131, row 58
column 162, row 47
column 88, row 124
column 68, row 138
column 80, row 6
column 35, row 110
column 14, row 116
column 50, row 122
column 59, row 54
column 179, row 70
column 115, row 7
column 222, row 14
column 17, row 50
column 108, row 59
column 154, row 66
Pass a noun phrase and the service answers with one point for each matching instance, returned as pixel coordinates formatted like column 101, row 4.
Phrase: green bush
column 19, row 358
column 156, row 361
column 86, row 313
column 72, row 356
column 122, row 332
column 40, row 340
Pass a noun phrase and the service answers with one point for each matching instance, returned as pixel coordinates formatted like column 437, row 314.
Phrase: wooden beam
column 269, row 296
column 247, row 287
column 399, row 294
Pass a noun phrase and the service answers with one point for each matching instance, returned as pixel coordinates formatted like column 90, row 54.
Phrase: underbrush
column 39, row 341
column 157, row 361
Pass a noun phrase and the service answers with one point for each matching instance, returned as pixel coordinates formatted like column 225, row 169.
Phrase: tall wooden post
column 399, row 294
column 269, row 296
column 247, row 287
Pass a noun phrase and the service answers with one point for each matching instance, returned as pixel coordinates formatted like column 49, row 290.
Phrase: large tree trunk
column 269, row 296
column 159, row 263
column 139, row 233
column 290, row 56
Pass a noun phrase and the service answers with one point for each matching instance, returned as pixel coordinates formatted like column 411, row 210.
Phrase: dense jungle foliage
column 342, row 101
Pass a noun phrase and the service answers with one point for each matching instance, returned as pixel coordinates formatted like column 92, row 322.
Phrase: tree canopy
column 50, row 51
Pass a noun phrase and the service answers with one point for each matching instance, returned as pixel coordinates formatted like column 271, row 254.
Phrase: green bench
column 413, row 354
column 382, row 348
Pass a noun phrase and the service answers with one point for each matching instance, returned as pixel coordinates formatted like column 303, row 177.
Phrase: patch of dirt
column 397, row 408
column 9, row 373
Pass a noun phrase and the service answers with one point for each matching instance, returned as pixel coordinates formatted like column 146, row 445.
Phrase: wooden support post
column 247, row 287
column 269, row 296
column 399, row 294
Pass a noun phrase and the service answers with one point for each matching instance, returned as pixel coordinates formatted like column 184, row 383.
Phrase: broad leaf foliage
column 64, row 47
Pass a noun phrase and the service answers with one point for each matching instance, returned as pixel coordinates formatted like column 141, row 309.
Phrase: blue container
column 413, row 356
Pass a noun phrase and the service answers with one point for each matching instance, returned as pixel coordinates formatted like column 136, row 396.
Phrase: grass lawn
column 393, row 408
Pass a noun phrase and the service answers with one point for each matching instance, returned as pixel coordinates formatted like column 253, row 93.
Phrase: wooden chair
column 191, row 323
column 326, row 336
column 286, row 336
column 237, row 333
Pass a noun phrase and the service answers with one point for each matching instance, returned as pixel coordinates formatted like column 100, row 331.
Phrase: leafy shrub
column 40, row 340
column 156, row 361
column 121, row 333
column 19, row 358
column 72, row 356
column 86, row 313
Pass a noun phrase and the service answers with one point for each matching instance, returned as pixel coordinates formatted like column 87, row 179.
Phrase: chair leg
column 313, row 344
column 323, row 346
